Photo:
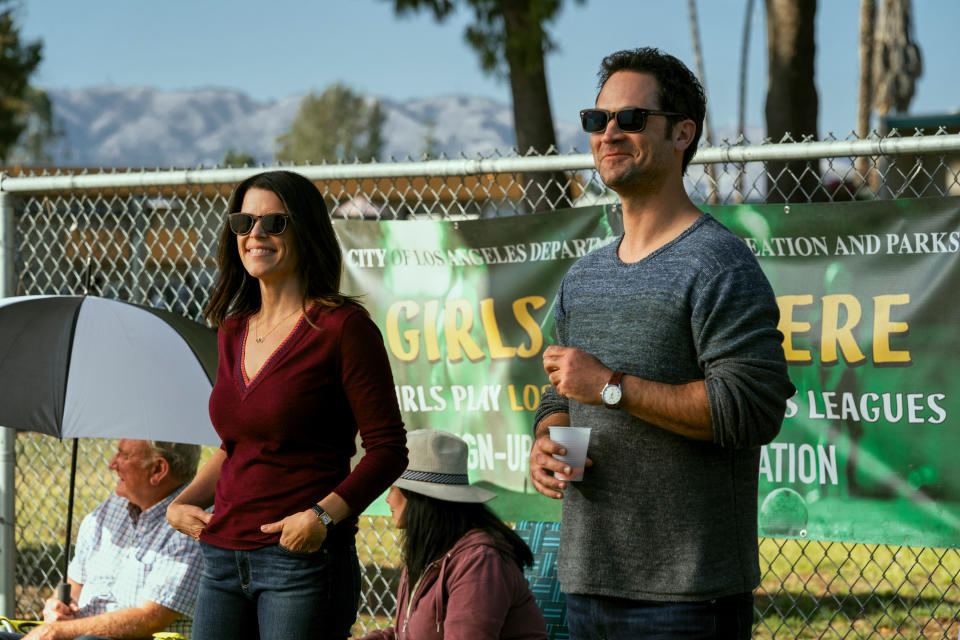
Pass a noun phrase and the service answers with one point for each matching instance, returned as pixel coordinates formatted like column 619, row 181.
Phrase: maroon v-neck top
column 289, row 433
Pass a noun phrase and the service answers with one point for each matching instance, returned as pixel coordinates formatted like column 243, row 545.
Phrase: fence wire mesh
column 155, row 243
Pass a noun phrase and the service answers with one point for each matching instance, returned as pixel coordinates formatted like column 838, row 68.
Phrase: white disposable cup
column 575, row 441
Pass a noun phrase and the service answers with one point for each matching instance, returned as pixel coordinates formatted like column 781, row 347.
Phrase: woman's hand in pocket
column 300, row 532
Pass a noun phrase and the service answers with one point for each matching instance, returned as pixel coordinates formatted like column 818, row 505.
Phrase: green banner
column 867, row 452
column 466, row 309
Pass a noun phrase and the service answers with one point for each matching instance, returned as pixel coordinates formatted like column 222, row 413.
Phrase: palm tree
column 896, row 63
column 792, row 105
column 868, row 15
column 742, row 97
column 712, row 196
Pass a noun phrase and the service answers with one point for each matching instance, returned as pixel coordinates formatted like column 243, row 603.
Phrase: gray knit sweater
column 659, row 516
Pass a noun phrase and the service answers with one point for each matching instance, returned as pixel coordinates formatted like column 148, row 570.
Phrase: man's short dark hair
column 680, row 90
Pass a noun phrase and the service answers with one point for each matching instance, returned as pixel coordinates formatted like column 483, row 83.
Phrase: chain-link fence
column 150, row 237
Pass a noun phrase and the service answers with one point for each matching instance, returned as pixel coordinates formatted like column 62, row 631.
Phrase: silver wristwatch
column 612, row 392
column 322, row 516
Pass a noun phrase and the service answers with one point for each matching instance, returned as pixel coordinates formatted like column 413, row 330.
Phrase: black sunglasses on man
column 630, row 120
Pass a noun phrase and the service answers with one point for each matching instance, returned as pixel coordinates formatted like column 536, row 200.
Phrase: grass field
column 813, row 589
column 809, row 589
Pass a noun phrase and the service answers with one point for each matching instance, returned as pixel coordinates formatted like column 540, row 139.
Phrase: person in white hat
column 463, row 567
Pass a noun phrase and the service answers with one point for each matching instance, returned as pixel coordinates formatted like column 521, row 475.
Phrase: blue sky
column 287, row 47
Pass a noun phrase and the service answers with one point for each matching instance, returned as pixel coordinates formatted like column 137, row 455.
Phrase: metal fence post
column 8, row 462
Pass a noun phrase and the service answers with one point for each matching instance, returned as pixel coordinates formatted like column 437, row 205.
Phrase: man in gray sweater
column 668, row 348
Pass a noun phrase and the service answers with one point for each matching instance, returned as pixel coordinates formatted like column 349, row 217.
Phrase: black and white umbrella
column 88, row 367
column 82, row 366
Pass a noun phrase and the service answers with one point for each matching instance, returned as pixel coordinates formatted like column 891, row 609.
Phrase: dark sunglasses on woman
column 630, row 120
column 272, row 223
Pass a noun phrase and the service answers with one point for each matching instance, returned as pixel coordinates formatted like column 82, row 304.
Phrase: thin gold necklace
column 260, row 338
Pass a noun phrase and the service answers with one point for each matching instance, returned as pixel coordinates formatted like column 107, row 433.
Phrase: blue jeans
column 602, row 618
column 273, row 592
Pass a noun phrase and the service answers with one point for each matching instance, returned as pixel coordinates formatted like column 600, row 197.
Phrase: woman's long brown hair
column 310, row 233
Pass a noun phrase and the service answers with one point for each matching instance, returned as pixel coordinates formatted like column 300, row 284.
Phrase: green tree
column 18, row 61
column 512, row 41
column 337, row 125
column 234, row 158
column 374, row 142
column 430, row 142
column 38, row 132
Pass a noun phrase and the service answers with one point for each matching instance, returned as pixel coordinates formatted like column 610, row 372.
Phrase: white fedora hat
column 438, row 468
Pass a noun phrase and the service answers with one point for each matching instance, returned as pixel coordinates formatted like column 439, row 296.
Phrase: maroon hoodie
column 474, row 592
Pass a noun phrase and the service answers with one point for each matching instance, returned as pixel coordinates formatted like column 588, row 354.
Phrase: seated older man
column 132, row 574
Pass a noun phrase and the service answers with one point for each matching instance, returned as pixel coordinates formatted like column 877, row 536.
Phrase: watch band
column 322, row 516
column 614, row 385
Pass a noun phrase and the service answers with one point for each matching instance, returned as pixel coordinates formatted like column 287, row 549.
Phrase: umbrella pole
column 63, row 591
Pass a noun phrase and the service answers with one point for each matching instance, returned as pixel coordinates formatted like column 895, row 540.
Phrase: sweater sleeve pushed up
column 741, row 353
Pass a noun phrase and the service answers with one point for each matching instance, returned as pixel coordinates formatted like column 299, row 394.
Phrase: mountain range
column 149, row 127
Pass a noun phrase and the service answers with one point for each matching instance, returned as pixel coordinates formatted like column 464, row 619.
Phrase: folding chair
column 543, row 538
column 24, row 626
column 18, row 626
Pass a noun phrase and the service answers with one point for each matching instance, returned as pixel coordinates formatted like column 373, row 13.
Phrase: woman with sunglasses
column 302, row 370
column 463, row 576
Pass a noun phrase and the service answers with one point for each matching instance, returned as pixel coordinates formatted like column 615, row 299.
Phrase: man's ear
column 683, row 133
column 159, row 471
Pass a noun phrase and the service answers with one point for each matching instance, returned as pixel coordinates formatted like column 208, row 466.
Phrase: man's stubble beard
column 635, row 179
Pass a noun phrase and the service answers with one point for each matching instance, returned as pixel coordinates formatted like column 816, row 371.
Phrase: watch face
column 322, row 515
column 611, row 394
